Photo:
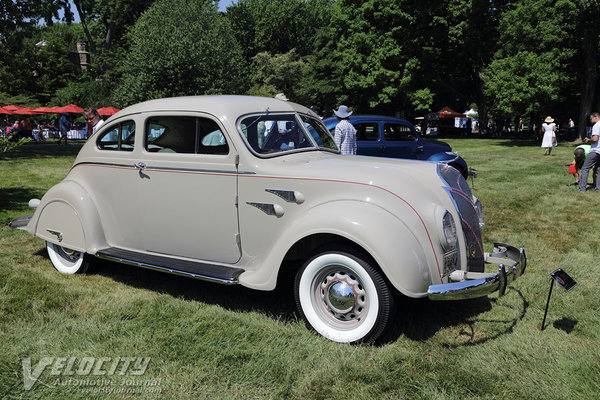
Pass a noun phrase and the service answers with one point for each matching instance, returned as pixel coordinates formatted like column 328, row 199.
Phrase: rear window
column 119, row 137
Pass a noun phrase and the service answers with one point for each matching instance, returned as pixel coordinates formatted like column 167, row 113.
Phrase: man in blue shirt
column 63, row 125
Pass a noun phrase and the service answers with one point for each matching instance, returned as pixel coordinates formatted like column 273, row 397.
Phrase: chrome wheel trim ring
column 330, row 321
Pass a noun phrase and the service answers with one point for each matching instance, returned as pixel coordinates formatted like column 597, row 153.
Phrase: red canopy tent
column 43, row 110
column 4, row 110
column 55, row 110
column 107, row 111
column 71, row 108
column 447, row 112
column 12, row 108
column 28, row 111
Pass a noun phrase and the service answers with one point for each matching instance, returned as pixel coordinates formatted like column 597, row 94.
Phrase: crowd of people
column 58, row 128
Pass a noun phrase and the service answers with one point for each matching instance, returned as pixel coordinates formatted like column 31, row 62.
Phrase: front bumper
column 469, row 285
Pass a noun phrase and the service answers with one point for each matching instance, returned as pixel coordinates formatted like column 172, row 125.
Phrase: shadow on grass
column 278, row 303
column 16, row 198
column 417, row 319
column 565, row 324
column 42, row 150
column 420, row 319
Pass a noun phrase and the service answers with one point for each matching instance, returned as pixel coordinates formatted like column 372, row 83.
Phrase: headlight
column 479, row 209
column 450, row 235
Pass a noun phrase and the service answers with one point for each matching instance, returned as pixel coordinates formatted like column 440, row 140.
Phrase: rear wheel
column 342, row 297
column 66, row 260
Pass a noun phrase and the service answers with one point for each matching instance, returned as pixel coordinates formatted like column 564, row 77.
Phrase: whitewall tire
column 66, row 260
column 343, row 298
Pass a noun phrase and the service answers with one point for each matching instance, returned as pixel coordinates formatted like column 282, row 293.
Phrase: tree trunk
column 480, row 100
column 590, row 74
column 110, row 30
column 84, row 25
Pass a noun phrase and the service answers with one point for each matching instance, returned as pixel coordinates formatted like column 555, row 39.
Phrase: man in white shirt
column 593, row 156
column 345, row 134
column 93, row 118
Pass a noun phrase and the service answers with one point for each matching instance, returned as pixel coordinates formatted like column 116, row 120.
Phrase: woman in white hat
column 549, row 140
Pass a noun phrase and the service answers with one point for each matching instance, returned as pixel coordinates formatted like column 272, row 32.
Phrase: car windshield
column 276, row 133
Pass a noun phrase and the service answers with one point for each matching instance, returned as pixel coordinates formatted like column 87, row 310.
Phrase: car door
column 111, row 180
column 188, row 180
column 400, row 141
column 368, row 141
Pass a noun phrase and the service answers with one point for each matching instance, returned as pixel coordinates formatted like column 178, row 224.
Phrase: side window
column 120, row 137
column 398, row 132
column 367, row 131
column 193, row 135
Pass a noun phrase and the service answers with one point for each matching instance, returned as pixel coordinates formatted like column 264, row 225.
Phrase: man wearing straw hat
column 345, row 134
column 594, row 155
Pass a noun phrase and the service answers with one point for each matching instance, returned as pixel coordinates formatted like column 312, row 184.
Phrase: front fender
column 68, row 216
column 397, row 245
column 450, row 158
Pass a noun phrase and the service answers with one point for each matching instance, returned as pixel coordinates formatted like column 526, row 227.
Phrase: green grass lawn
column 217, row 342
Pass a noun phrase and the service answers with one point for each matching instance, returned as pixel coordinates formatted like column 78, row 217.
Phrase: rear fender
column 68, row 217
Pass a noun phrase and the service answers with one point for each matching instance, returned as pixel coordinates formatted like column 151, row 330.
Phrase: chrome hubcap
column 343, row 296
column 71, row 254
column 340, row 297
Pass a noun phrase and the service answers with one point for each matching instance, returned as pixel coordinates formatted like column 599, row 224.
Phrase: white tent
column 470, row 113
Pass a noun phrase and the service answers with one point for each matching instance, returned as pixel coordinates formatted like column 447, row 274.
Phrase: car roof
column 220, row 106
column 367, row 116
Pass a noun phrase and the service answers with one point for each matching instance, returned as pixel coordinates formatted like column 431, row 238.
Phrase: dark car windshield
column 276, row 133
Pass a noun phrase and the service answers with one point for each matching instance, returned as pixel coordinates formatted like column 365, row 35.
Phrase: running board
column 190, row 269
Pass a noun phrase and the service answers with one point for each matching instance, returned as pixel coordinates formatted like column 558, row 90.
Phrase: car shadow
column 416, row 319
column 16, row 198
column 278, row 303
column 421, row 319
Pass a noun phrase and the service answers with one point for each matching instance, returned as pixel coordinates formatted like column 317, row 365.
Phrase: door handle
column 382, row 148
column 420, row 148
column 140, row 165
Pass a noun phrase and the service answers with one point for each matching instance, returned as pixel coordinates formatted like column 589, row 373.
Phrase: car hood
column 409, row 179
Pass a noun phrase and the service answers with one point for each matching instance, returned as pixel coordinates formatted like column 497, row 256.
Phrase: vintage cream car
column 230, row 188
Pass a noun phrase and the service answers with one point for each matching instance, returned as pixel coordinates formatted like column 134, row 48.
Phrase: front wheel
column 66, row 260
column 343, row 298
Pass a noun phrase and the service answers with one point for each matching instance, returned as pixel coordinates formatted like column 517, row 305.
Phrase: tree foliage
column 180, row 48
column 517, row 59
column 41, row 62
column 531, row 71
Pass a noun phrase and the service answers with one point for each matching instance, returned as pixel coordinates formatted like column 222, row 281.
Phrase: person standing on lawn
column 345, row 134
column 63, row 126
column 549, row 140
column 593, row 157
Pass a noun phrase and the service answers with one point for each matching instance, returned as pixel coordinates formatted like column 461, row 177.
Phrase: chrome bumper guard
column 469, row 285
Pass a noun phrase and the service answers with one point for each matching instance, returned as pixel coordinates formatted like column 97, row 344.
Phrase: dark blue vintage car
column 397, row 138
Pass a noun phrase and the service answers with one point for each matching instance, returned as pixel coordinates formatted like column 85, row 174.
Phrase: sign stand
column 565, row 281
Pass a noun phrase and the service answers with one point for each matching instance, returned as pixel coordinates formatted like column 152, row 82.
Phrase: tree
column 16, row 15
column 539, row 66
column 278, row 26
column 39, row 62
column 272, row 74
column 590, row 35
column 374, row 55
column 180, row 48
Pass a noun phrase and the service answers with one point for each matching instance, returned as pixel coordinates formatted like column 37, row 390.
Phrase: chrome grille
column 450, row 262
column 460, row 193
